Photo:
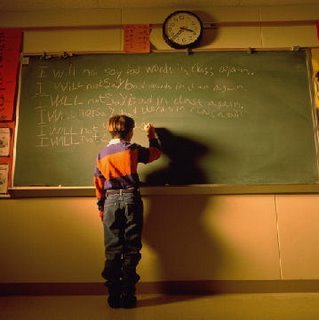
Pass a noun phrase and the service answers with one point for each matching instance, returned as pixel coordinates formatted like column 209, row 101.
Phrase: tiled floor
column 283, row 306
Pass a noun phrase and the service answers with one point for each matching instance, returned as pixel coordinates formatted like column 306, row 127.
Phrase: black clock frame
column 175, row 45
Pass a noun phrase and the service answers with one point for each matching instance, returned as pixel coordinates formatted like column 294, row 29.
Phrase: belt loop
column 121, row 192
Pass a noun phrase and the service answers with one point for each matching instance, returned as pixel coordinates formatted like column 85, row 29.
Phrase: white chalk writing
column 67, row 100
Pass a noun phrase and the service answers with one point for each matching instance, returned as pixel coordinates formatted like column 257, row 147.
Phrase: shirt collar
column 115, row 141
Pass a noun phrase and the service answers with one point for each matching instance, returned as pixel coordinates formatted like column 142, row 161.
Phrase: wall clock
column 182, row 29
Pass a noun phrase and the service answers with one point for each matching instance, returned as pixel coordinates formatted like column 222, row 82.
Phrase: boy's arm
column 99, row 191
column 154, row 151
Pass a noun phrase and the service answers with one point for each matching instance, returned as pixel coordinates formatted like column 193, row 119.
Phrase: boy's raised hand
column 150, row 130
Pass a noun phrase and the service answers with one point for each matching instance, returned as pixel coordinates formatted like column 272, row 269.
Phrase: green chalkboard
column 223, row 117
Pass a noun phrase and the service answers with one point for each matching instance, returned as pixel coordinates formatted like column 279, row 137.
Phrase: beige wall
column 186, row 237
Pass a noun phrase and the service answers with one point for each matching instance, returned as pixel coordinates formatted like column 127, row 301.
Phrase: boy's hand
column 150, row 130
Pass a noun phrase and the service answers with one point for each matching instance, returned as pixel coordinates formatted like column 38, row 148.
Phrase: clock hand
column 177, row 33
column 186, row 29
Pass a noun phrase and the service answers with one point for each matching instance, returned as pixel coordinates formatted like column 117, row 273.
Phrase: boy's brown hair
column 120, row 126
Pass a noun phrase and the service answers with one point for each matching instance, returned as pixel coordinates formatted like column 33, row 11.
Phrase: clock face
column 182, row 29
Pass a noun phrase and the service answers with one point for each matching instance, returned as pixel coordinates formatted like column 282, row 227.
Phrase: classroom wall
column 186, row 237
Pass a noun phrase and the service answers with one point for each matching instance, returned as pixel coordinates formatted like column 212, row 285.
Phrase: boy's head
column 121, row 127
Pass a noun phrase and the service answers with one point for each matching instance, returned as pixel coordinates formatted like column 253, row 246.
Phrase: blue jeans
column 123, row 223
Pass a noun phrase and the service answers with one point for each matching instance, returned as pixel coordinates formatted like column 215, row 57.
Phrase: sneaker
column 128, row 301
column 114, row 301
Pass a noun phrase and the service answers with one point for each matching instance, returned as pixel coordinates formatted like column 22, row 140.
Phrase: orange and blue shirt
column 116, row 166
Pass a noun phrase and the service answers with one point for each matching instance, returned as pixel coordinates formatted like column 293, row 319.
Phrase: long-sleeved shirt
column 116, row 166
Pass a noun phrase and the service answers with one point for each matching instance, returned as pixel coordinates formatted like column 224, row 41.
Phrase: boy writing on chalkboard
column 121, row 208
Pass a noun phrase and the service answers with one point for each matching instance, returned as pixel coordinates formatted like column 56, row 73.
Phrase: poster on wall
column 137, row 38
column 10, row 47
column 315, row 75
column 4, row 142
column 4, row 173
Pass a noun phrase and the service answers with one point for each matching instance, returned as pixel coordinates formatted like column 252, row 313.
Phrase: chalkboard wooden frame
column 51, row 192
column 177, row 184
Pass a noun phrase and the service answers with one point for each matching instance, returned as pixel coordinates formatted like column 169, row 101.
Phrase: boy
column 121, row 208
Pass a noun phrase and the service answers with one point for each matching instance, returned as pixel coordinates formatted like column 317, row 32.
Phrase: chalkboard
column 232, row 118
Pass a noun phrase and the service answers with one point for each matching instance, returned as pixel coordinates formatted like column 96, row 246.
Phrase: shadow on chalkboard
column 183, row 166
column 174, row 225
